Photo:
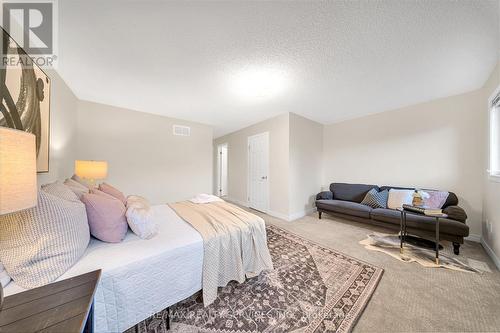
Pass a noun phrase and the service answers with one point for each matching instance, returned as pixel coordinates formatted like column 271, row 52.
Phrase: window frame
column 494, row 136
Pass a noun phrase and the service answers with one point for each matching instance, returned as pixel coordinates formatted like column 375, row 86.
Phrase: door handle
column 263, row 177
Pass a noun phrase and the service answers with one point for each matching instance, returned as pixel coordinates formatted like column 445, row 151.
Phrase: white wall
column 143, row 155
column 63, row 117
column 431, row 145
column 491, row 196
column 305, row 164
column 278, row 162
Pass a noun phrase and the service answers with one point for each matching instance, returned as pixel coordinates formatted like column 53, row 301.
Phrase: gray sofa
column 344, row 200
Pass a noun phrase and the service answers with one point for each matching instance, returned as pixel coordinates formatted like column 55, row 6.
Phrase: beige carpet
column 409, row 297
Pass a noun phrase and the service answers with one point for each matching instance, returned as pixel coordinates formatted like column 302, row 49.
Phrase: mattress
column 141, row 277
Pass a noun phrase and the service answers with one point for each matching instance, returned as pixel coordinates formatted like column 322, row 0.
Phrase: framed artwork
column 25, row 97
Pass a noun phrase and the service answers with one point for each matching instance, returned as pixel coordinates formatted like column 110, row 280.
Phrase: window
column 494, row 105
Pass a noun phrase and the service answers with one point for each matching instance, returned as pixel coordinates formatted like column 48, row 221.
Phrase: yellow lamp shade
column 18, row 188
column 91, row 170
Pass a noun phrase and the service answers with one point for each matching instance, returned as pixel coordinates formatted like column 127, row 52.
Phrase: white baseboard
column 301, row 214
column 490, row 252
column 278, row 215
column 474, row 238
column 292, row 217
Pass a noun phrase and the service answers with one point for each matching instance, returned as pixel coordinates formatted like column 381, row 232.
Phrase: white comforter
column 141, row 277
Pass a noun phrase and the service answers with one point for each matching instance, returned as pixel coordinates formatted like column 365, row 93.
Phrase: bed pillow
column 140, row 217
column 106, row 217
column 397, row 198
column 4, row 277
column 40, row 244
column 81, row 181
column 98, row 192
column 76, row 187
column 106, row 188
column 60, row 190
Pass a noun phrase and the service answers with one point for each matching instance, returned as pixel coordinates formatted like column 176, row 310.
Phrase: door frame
column 219, row 169
column 265, row 134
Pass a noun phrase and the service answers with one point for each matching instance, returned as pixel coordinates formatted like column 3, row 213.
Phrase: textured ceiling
column 334, row 60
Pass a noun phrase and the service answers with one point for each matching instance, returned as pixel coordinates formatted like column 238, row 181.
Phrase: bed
column 141, row 277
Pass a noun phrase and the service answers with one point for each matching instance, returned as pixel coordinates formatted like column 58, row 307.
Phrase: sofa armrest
column 325, row 195
column 456, row 213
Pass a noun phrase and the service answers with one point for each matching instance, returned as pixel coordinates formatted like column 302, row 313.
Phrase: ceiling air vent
column 182, row 130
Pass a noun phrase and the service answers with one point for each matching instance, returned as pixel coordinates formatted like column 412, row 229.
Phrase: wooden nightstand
column 64, row 306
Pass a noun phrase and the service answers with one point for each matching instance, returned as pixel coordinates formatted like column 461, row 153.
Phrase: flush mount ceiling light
column 259, row 82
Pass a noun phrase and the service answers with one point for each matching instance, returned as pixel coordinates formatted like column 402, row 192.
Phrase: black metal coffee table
column 404, row 234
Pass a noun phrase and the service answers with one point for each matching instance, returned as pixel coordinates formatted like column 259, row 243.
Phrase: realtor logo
column 32, row 24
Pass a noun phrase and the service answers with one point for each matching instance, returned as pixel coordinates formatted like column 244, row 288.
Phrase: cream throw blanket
column 234, row 241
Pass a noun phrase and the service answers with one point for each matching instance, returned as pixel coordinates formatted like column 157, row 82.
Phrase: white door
column 258, row 171
column 222, row 170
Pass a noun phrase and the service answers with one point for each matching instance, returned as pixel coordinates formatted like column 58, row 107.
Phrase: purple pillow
column 106, row 217
column 106, row 188
column 436, row 199
column 98, row 192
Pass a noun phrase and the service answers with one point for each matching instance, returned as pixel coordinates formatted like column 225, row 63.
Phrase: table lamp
column 18, row 188
column 91, row 170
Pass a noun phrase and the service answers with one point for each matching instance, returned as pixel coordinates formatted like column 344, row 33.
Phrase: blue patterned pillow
column 376, row 199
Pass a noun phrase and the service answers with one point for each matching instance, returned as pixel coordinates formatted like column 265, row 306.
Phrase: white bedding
column 141, row 277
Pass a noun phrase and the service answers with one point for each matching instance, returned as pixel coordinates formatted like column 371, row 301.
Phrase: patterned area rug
column 311, row 289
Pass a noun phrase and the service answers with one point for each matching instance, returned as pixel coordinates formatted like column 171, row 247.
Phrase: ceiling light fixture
column 259, row 82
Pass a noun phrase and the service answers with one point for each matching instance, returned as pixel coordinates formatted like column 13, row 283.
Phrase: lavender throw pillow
column 436, row 199
column 106, row 217
column 106, row 188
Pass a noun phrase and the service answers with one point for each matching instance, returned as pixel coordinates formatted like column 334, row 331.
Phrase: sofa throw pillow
column 60, row 190
column 436, row 199
column 397, row 198
column 76, row 187
column 140, row 217
column 106, row 217
column 376, row 199
column 106, row 188
column 40, row 244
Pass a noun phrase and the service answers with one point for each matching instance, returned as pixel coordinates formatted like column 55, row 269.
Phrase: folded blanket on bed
column 234, row 241
column 203, row 198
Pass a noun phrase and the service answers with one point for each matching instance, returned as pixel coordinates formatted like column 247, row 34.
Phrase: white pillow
column 140, row 217
column 4, row 277
column 399, row 197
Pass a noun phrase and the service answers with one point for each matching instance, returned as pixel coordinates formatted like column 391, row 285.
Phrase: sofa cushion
column 350, row 192
column 452, row 199
column 446, row 226
column 345, row 207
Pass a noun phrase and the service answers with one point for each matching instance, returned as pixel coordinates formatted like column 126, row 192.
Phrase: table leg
column 401, row 233
column 405, row 232
column 437, row 240
column 168, row 318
